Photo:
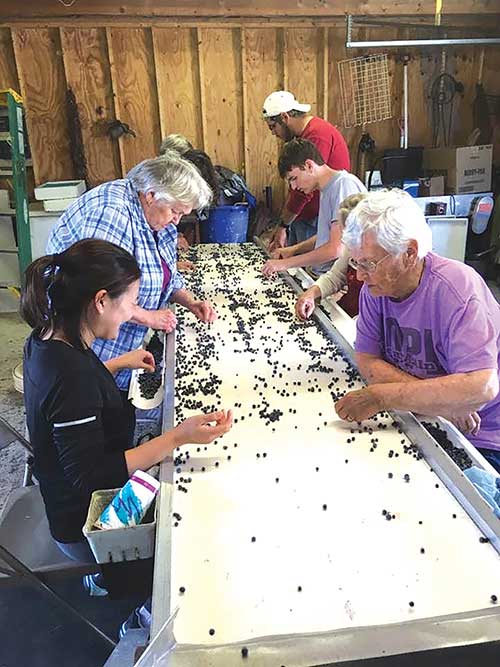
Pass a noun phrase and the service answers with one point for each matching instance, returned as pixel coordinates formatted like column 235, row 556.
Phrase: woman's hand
column 182, row 242
column 137, row 359
column 283, row 253
column 204, row 311
column 185, row 265
column 305, row 305
column 202, row 429
column 162, row 320
column 470, row 423
column 361, row 404
column 272, row 266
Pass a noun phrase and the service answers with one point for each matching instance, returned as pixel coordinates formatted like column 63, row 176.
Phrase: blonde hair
column 347, row 205
column 175, row 142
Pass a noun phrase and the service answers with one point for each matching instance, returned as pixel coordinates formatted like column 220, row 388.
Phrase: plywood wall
column 208, row 82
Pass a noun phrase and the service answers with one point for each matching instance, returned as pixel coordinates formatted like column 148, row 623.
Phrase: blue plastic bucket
column 225, row 224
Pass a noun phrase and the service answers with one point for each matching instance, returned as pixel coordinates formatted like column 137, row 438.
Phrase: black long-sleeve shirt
column 74, row 413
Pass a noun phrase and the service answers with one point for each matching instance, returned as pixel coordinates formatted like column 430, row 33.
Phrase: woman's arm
column 203, row 310
column 131, row 360
column 377, row 371
column 335, row 279
column 459, row 393
column 163, row 319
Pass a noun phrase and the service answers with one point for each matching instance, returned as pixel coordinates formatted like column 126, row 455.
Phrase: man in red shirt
column 287, row 118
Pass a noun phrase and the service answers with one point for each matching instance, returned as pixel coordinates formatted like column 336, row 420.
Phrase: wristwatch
column 283, row 224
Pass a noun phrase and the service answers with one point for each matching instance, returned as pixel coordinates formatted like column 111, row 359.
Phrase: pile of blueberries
column 149, row 383
column 459, row 456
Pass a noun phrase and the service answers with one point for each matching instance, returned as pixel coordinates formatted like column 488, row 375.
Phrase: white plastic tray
column 134, row 392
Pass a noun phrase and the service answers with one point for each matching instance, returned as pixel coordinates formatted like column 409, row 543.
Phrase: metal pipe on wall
column 414, row 42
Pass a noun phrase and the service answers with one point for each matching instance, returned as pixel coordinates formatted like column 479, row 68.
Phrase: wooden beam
column 262, row 72
column 324, row 46
column 177, row 74
column 43, row 87
column 87, row 73
column 302, row 65
column 479, row 22
column 134, row 89
column 237, row 8
column 244, row 103
column 220, row 59
column 8, row 71
column 201, row 79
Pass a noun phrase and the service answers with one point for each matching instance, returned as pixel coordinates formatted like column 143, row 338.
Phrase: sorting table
column 299, row 539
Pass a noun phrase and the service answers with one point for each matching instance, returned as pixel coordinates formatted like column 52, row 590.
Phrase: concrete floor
column 13, row 332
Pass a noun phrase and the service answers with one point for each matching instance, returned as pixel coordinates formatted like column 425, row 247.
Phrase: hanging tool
column 117, row 129
column 443, row 92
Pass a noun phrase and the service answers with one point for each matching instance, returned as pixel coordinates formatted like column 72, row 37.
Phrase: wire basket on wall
column 365, row 90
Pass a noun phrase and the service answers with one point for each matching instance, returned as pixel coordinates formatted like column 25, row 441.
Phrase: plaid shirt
column 113, row 212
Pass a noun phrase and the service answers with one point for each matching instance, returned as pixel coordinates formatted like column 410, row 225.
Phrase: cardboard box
column 466, row 168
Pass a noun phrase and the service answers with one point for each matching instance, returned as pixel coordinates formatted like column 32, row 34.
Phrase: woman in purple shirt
column 428, row 332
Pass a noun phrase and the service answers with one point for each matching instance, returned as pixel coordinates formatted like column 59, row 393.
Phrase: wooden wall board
column 8, row 71
column 323, row 80
column 263, row 74
column 387, row 132
column 338, row 52
column 43, row 87
column 491, row 81
column 134, row 89
column 464, row 65
column 302, row 49
column 220, row 61
column 198, row 8
column 178, row 80
column 423, row 66
column 491, row 71
column 87, row 74
column 157, row 74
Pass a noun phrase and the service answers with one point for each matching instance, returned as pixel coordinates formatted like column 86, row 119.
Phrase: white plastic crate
column 118, row 544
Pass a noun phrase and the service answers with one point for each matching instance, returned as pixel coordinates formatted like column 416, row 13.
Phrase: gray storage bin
column 119, row 544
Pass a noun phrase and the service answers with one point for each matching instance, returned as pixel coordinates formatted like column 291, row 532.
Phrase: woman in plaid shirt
column 140, row 213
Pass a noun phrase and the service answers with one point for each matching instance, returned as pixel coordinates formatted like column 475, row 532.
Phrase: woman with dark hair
column 74, row 410
column 206, row 168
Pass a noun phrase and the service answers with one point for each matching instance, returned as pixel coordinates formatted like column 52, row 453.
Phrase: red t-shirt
column 350, row 301
column 333, row 149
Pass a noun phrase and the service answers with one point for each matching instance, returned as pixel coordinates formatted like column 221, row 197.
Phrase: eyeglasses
column 272, row 124
column 367, row 266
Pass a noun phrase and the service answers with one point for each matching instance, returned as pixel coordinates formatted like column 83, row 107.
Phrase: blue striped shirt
column 113, row 212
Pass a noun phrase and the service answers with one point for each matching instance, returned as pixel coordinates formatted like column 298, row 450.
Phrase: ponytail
column 35, row 308
column 59, row 288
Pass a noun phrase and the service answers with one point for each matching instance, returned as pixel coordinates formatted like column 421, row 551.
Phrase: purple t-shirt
column 450, row 324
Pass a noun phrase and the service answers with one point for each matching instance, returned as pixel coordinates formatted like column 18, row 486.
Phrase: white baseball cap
column 282, row 101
